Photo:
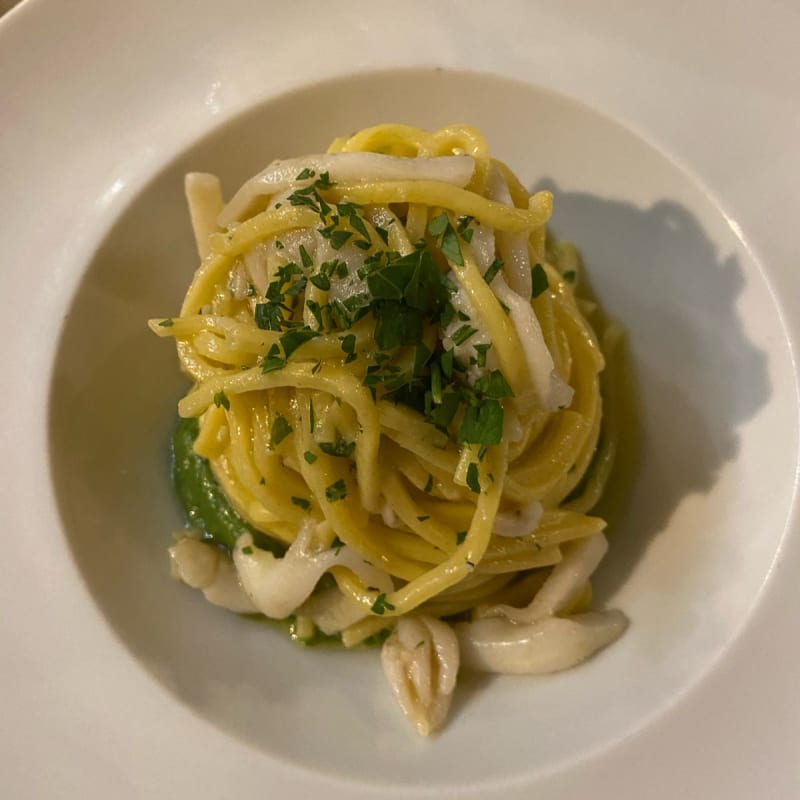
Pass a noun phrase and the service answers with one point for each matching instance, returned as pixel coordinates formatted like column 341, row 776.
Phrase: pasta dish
column 402, row 412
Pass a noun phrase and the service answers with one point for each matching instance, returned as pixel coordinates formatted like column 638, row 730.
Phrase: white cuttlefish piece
column 421, row 660
column 204, row 566
column 278, row 586
column 549, row 645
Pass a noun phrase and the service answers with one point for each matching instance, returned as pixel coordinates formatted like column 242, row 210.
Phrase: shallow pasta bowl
column 101, row 242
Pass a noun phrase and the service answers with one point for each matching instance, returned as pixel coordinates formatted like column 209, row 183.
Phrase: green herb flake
column 383, row 233
column 423, row 518
column 337, row 544
column 272, row 360
column 247, row 550
column 358, row 225
column 300, row 198
column 460, row 537
column 302, row 502
column 381, row 605
column 268, row 316
column 472, row 478
column 166, row 323
column 336, row 491
column 349, row 346
column 278, row 244
column 321, row 281
column 280, row 430
column 464, row 231
column 305, row 174
column 305, row 257
column 481, row 350
column 493, row 385
column 309, row 457
column 443, row 415
column 312, row 418
column 450, row 246
column 341, row 448
column 324, row 181
column 295, row 289
column 221, row 399
column 291, row 340
column 438, row 225
column 339, row 239
column 462, row 334
column 493, row 269
column 429, row 485
column 482, row 424
column 446, row 363
column 538, row 281
column 570, row 275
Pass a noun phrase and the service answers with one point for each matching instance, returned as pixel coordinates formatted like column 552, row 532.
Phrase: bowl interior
column 711, row 485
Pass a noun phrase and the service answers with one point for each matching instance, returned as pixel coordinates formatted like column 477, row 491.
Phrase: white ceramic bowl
column 102, row 241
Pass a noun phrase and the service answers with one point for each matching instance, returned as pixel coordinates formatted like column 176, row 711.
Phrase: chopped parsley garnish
column 293, row 339
column 460, row 536
column 463, row 333
column 383, row 233
column 472, row 478
column 438, row 225
column 221, row 399
column 309, row 457
column 450, row 246
column 349, row 347
column 247, row 550
column 336, row 491
column 280, row 430
column 273, row 360
column 464, row 231
column 341, row 448
column 441, row 229
column 482, row 424
column 166, row 323
column 305, row 174
column 493, row 384
column 269, row 316
column 493, row 269
column 538, row 280
column 337, row 544
column 569, row 276
column 324, row 181
column 305, row 257
column 339, row 238
column 481, row 350
column 321, row 281
column 381, row 604
column 429, row 485
column 423, row 518
column 302, row 502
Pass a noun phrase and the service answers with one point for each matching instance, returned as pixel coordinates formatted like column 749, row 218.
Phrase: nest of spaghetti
column 405, row 405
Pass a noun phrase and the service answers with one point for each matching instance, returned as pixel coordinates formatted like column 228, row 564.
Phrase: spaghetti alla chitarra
column 402, row 411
